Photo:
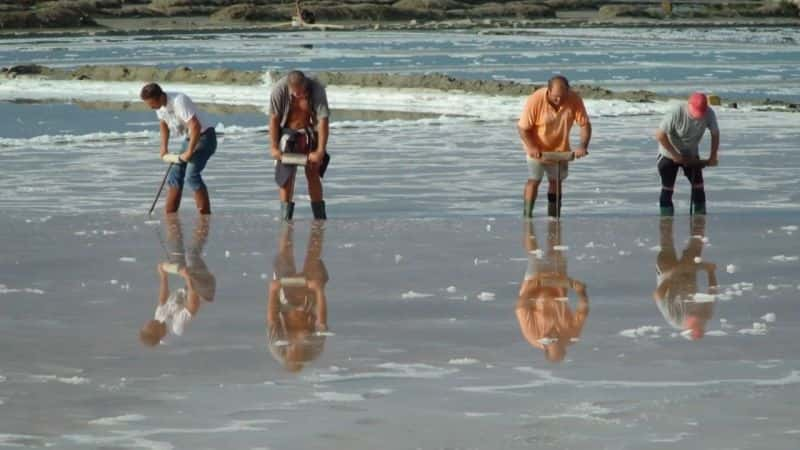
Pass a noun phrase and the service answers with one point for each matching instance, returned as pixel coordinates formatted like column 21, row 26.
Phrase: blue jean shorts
column 190, row 171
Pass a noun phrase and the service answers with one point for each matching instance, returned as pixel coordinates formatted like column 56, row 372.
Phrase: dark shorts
column 303, row 142
column 206, row 146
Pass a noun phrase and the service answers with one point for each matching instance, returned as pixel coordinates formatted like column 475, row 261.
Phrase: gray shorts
column 536, row 170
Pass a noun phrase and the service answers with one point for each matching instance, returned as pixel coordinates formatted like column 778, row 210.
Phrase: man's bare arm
column 275, row 136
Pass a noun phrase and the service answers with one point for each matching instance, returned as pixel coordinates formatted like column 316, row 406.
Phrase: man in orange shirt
column 544, row 126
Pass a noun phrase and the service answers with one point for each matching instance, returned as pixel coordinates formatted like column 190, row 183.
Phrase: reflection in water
column 177, row 307
column 545, row 317
column 675, row 294
column 297, row 318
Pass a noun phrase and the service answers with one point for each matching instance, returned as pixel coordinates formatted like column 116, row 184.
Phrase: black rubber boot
column 699, row 209
column 287, row 210
column 318, row 208
column 553, row 206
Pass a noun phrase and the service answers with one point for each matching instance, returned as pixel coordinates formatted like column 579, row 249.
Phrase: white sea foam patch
column 338, row 397
column 6, row 290
column 412, row 295
column 100, row 138
column 343, row 97
column 104, row 138
column 544, row 378
column 387, row 370
column 584, row 411
column 118, row 420
column 463, row 361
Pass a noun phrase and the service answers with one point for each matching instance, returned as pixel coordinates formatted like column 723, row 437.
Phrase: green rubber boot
column 667, row 211
column 318, row 208
column 287, row 211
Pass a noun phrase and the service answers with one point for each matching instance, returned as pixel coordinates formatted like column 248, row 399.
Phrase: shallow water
column 418, row 353
column 738, row 62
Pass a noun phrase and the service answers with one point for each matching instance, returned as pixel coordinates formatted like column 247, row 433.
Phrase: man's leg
column 698, row 198
column 175, row 179
column 535, row 174
column 286, row 192
column 556, row 173
column 315, row 191
column 668, row 171
column 205, row 148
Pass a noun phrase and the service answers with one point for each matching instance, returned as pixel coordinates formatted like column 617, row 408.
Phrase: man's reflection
column 545, row 317
column 297, row 317
column 677, row 280
column 178, row 306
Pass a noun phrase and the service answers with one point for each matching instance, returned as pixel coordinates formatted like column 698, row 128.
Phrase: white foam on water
column 463, row 361
column 398, row 258
column 98, row 138
column 768, row 317
column 547, row 341
column 698, row 260
column 74, row 380
column 412, row 295
column 784, row 258
column 716, row 333
column 545, row 378
column 451, row 289
column 127, row 259
column 118, row 420
column 789, row 228
column 6, row 290
column 338, row 397
column 21, row 440
column 584, row 411
column 758, row 329
column 561, row 247
column 643, row 331
column 730, row 268
column 481, row 414
column 486, row 296
column 387, row 370
column 673, row 439
column 345, row 97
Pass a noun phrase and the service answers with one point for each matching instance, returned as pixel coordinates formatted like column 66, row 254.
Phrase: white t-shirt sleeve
column 180, row 320
column 184, row 108
column 162, row 314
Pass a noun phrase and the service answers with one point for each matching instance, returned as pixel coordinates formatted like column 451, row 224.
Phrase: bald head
column 557, row 89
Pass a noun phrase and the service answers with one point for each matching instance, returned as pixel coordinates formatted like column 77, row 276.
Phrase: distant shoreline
column 203, row 24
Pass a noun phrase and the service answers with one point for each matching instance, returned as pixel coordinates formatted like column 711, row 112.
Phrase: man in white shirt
column 178, row 114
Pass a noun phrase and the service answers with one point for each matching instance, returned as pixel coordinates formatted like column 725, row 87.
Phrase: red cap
column 698, row 105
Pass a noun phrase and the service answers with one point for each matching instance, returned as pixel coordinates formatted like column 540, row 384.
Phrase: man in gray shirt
column 299, row 124
column 679, row 134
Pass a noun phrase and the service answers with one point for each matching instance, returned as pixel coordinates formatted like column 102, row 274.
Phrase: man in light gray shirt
column 678, row 136
column 299, row 124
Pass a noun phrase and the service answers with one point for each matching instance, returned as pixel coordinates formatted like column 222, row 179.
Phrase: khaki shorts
column 536, row 170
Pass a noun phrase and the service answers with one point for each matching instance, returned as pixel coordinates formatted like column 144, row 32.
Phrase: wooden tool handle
column 558, row 156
